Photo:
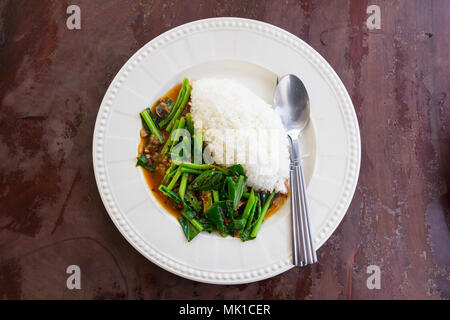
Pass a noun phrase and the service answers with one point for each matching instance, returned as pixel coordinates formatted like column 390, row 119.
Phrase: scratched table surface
column 53, row 79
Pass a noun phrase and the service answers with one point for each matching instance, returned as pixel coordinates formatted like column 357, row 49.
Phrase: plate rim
column 287, row 38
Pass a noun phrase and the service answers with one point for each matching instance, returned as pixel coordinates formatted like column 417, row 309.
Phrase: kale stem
column 169, row 140
column 151, row 125
column 189, row 124
column 239, row 189
column 168, row 172
column 261, row 216
column 195, row 166
column 174, row 109
column 172, row 173
column 183, row 103
column 197, row 225
column 174, row 179
column 189, row 170
column 248, row 207
column 252, row 214
column 216, row 196
column 198, row 147
column 170, row 194
column 183, row 185
column 181, row 125
column 218, row 168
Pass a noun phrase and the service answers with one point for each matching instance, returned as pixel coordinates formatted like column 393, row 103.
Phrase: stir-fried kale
column 236, row 170
column 178, row 108
column 209, row 197
column 234, row 189
column 190, row 198
column 208, row 180
column 189, row 230
column 145, row 163
column 220, row 201
column 217, row 214
column 150, row 125
column 190, row 215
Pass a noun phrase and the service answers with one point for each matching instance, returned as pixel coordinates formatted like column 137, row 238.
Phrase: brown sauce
column 155, row 178
column 277, row 203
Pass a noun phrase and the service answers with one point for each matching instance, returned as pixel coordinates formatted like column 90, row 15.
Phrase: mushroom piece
column 162, row 108
column 143, row 133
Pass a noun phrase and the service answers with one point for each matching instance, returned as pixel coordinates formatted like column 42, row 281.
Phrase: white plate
column 254, row 53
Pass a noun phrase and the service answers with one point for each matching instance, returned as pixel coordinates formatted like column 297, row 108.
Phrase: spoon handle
column 302, row 245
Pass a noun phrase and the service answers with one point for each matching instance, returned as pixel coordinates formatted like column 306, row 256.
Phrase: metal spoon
column 291, row 102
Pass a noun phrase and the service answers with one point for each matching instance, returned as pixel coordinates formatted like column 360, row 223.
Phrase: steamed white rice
column 241, row 128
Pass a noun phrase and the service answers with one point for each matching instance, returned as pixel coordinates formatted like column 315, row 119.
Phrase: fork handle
column 302, row 245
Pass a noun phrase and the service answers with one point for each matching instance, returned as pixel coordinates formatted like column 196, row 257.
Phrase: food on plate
column 215, row 155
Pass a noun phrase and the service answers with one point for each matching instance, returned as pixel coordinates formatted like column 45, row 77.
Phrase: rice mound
column 241, row 128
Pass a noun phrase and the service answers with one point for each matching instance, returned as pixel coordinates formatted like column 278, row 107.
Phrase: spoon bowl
column 291, row 102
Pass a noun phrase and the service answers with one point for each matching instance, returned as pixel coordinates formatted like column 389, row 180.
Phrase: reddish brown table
column 52, row 81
